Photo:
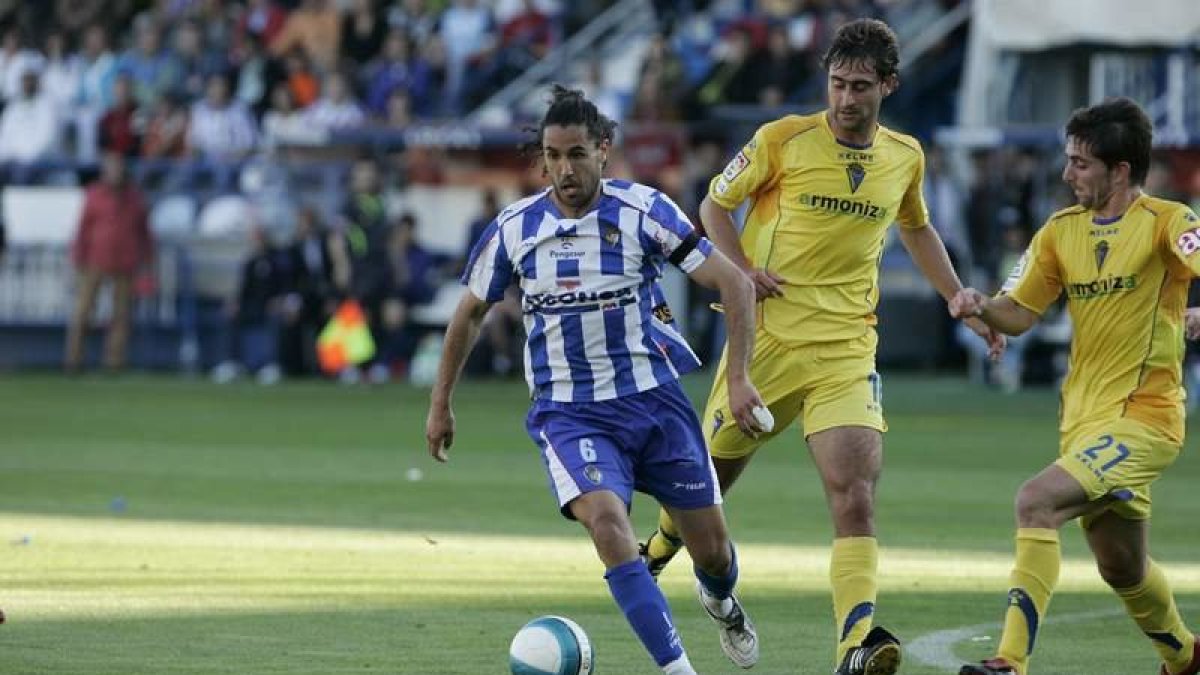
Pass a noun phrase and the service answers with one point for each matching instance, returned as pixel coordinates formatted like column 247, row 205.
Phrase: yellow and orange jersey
column 1126, row 281
column 819, row 212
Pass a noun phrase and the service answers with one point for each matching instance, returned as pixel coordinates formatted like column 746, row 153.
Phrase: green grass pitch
column 158, row 526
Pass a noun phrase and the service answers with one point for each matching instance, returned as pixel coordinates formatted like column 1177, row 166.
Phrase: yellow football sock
column 666, row 542
column 1033, row 578
column 1152, row 606
column 852, row 578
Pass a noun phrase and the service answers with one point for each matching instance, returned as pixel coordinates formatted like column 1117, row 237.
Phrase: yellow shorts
column 1120, row 457
column 834, row 384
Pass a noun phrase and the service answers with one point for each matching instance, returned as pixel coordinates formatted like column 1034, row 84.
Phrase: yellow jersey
column 1126, row 281
column 819, row 211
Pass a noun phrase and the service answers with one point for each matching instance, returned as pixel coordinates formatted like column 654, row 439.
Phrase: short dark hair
column 569, row 107
column 1115, row 131
column 862, row 40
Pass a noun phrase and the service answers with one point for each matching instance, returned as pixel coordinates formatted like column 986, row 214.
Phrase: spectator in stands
column 311, row 299
column 262, row 21
column 166, row 129
column 221, row 128
column 398, row 69
column 95, row 93
column 663, row 68
column 15, row 60
column 491, row 208
column 29, row 129
column 414, row 280
column 525, row 38
column 651, row 105
column 255, row 317
column 336, row 109
column 112, row 245
column 282, row 121
column 363, row 32
column 61, row 75
column 399, row 110
column 1006, row 374
column 983, row 207
column 75, row 16
column 362, row 269
column 196, row 62
column 468, row 33
column 152, row 69
column 777, row 70
column 413, row 18
column 255, row 72
column 316, row 29
column 946, row 208
column 119, row 129
column 301, row 81
column 729, row 80
column 498, row 350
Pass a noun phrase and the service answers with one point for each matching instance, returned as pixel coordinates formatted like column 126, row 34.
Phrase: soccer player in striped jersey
column 1124, row 259
column 603, row 358
column 823, row 190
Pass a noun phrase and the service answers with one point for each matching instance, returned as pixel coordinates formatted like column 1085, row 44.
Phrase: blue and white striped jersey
column 597, row 323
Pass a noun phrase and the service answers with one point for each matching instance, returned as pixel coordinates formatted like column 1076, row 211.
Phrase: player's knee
column 605, row 524
column 853, row 504
column 1034, row 508
column 713, row 557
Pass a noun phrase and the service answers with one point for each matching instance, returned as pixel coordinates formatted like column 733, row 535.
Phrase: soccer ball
column 551, row 645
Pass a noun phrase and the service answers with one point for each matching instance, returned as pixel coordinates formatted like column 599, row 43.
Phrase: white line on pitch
column 937, row 648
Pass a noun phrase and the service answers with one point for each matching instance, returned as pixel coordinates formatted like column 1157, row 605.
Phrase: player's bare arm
column 460, row 336
column 720, row 228
column 737, row 295
column 929, row 253
column 1000, row 313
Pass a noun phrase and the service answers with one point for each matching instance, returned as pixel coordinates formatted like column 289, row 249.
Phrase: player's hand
column 1192, row 323
column 743, row 399
column 996, row 341
column 967, row 303
column 439, row 431
column 766, row 283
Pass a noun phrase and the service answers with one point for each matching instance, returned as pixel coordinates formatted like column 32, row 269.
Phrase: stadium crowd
column 191, row 91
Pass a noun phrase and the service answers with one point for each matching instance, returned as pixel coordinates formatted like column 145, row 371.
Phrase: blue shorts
column 650, row 442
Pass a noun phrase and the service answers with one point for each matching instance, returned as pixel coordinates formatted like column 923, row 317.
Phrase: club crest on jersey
column 663, row 313
column 1101, row 252
column 736, row 166
column 612, row 236
column 718, row 420
column 855, row 173
column 593, row 473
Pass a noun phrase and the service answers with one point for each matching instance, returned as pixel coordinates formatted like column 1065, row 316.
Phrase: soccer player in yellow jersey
column 1124, row 259
column 823, row 189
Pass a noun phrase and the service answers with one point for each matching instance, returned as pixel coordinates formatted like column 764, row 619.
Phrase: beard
column 575, row 195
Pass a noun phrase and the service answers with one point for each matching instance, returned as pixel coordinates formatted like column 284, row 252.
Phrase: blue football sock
column 645, row 609
column 720, row 587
